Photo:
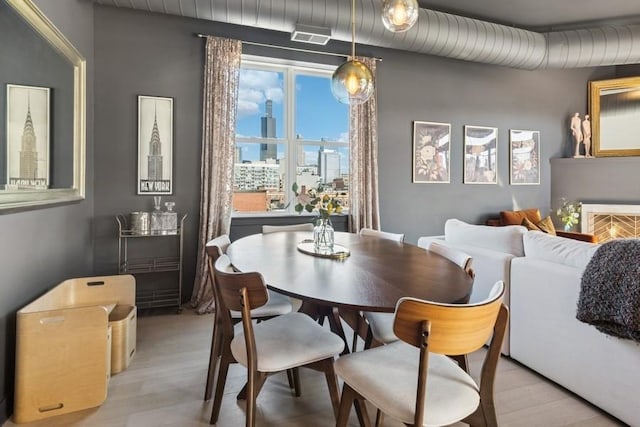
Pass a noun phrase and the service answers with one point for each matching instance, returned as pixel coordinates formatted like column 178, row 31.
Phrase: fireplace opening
column 609, row 222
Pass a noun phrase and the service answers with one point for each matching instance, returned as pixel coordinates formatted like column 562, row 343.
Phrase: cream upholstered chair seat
column 288, row 341
column 386, row 377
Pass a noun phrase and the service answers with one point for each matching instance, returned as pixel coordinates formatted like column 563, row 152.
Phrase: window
column 289, row 129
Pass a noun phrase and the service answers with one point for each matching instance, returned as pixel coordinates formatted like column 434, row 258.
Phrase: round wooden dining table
column 376, row 274
column 374, row 277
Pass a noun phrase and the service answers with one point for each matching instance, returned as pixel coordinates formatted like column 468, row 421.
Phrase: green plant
column 569, row 212
column 316, row 200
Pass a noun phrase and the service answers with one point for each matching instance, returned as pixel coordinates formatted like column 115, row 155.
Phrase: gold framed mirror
column 42, row 111
column 615, row 111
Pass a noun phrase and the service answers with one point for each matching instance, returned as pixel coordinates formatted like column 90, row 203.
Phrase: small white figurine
column 576, row 130
column 586, row 133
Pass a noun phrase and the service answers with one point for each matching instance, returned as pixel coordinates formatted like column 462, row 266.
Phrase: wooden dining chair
column 285, row 342
column 396, row 237
column 380, row 325
column 443, row 392
column 277, row 305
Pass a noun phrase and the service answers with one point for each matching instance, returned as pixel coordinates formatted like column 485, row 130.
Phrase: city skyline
column 313, row 100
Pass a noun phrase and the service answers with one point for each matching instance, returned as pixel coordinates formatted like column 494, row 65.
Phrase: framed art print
column 28, row 137
column 155, row 145
column 524, row 149
column 480, row 155
column 431, row 152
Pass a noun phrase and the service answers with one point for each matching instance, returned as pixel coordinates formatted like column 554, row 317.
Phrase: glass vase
column 323, row 236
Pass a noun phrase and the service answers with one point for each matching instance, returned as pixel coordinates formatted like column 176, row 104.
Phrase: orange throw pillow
column 516, row 217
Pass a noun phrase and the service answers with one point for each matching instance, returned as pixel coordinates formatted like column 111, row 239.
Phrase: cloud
column 344, row 137
column 256, row 87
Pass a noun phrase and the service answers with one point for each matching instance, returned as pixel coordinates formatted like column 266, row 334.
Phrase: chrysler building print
column 155, row 145
column 28, row 151
column 155, row 152
column 27, row 137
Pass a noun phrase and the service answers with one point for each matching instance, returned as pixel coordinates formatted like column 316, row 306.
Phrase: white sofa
column 492, row 249
column 543, row 277
column 547, row 337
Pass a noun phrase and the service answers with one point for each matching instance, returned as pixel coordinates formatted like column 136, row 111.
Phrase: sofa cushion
column 558, row 249
column 530, row 225
column 545, row 225
column 516, row 217
column 502, row 239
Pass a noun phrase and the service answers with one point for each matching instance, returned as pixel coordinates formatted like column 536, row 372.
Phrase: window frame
column 289, row 69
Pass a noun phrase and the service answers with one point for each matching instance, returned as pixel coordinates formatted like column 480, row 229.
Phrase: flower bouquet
column 569, row 213
column 324, row 205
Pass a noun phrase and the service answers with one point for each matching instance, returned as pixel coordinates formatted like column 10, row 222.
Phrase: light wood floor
column 164, row 386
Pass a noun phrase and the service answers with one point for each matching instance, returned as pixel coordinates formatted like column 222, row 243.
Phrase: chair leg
column 295, row 372
column 216, row 341
column 361, row 412
column 379, row 418
column 369, row 339
column 290, row 378
column 347, row 399
column 222, row 379
column 254, row 385
column 332, row 384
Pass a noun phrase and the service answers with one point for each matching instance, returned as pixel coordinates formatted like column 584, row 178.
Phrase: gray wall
column 607, row 180
column 148, row 54
column 40, row 248
column 140, row 53
column 463, row 93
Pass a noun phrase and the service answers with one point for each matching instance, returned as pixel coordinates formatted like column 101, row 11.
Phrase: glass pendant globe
column 352, row 83
column 399, row 15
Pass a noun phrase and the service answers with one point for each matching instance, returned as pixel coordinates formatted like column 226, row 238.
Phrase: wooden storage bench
column 63, row 345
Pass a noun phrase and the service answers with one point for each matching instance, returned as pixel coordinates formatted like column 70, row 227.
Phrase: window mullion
column 292, row 149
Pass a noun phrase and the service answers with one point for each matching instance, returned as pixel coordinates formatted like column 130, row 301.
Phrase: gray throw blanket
column 610, row 294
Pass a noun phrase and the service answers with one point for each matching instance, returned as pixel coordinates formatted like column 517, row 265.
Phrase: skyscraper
column 328, row 165
column 28, row 152
column 268, row 130
column 154, row 158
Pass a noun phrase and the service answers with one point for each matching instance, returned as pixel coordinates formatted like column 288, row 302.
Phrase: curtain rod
column 295, row 49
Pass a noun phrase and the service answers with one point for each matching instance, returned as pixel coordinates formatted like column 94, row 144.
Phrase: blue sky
column 318, row 114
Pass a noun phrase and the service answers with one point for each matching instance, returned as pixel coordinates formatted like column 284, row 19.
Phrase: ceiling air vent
column 311, row 34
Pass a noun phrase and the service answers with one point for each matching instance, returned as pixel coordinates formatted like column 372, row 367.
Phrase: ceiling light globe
column 399, row 15
column 352, row 83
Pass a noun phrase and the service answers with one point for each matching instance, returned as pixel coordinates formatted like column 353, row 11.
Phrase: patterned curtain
column 221, row 79
column 363, row 164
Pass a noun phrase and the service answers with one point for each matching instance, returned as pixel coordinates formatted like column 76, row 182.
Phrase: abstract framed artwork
column 431, row 152
column 480, row 155
column 524, row 149
column 155, row 145
column 28, row 137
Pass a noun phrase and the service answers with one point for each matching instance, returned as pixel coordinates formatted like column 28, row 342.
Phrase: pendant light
column 399, row 15
column 352, row 82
